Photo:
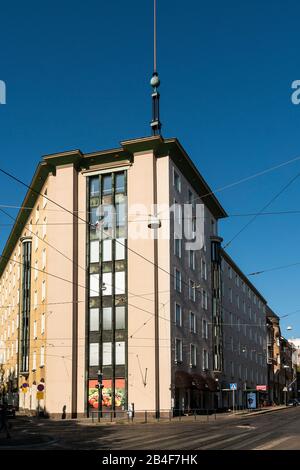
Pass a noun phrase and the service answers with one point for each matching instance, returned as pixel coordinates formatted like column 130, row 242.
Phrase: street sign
column 233, row 386
column 25, row 387
column 284, row 389
column 40, row 387
column 262, row 388
column 40, row 395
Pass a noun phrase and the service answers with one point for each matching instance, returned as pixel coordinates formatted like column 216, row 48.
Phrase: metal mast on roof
column 155, row 82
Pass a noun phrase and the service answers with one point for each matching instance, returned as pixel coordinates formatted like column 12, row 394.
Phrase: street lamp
column 154, row 223
column 285, row 387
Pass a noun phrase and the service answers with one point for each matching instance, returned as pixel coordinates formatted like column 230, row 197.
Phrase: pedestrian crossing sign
column 233, row 386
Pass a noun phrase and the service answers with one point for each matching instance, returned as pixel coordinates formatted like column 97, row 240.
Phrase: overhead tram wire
column 285, row 187
column 122, row 244
column 63, row 254
column 276, row 268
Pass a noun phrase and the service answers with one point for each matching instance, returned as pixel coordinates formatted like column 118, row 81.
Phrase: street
column 278, row 430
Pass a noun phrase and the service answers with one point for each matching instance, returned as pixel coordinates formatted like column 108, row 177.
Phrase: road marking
column 274, row 443
column 225, row 440
column 140, row 440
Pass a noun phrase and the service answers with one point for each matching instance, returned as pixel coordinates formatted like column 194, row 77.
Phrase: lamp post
column 100, row 387
column 285, row 384
column 154, row 224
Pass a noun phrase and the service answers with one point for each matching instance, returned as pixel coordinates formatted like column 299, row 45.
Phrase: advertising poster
column 107, row 394
column 251, row 400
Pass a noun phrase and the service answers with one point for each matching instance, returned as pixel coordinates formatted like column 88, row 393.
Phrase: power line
column 263, row 209
column 277, row 268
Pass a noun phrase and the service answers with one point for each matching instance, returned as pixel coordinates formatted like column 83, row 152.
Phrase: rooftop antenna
column 155, row 82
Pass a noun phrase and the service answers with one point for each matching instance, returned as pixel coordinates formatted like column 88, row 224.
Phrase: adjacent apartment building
column 244, row 335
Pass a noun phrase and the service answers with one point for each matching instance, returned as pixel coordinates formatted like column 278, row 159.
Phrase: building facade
column 114, row 264
column 244, row 335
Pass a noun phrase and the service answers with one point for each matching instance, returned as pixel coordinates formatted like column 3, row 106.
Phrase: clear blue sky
column 77, row 76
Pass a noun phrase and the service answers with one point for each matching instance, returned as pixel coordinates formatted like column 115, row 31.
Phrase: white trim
column 107, row 170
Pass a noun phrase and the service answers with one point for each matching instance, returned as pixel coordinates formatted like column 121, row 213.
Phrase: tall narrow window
column 193, row 354
column 42, row 356
column 178, row 315
column 107, row 354
column 94, row 354
column 120, row 353
column 177, row 280
column 178, row 350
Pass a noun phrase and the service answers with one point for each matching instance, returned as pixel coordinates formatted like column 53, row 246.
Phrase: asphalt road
column 278, row 430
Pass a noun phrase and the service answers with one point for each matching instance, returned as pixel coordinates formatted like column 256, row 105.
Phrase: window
column 44, row 258
column 45, row 198
column 120, row 282
column 94, row 251
column 107, row 250
column 43, row 291
column 36, row 242
column 94, row 186
column 229, row 272
column 178, row 350
column 106, row 354
column 42, row 356
column 107, row 283
column 230, row 294
column 176, row 181
column 34, row 360
column 120, row 248
column 35, row 301
column 177, row 247
column 192, row 291
column 120, row 353
column 94, row 319
column 94, row 354
column 192, row 322
column 120, row 182
column 205, row 360
column 44, row 227
column 232, row 368
column 204, row 300
column 203, row 270
column 43, row 321
column 204, row 329
column 238, row 301
column 94, row 285
column 192, row 259
column 107, row 184
column 193, row 354
column 120, row 318
column 37, row 214
column 178, row 315
column 34, row 329
column 106, row 318
column 237, row 281
column 177, row 284
column 35, row 270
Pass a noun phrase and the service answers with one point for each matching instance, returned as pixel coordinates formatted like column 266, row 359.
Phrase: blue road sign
column 233, row 386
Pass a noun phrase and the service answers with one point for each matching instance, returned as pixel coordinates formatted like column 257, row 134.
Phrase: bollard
column 170, row 415
column 146, row 416
column 195, row 415
column 207, row 416
column 215, row 414
column 98, row 417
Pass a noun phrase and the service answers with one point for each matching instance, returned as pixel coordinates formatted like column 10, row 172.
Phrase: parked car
column 293, row 402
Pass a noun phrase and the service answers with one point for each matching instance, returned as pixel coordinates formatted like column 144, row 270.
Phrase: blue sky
column 77, row 76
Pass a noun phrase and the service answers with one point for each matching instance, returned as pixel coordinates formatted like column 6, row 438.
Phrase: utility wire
column 263, row 209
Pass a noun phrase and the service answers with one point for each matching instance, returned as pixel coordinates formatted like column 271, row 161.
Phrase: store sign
column 262, row 388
